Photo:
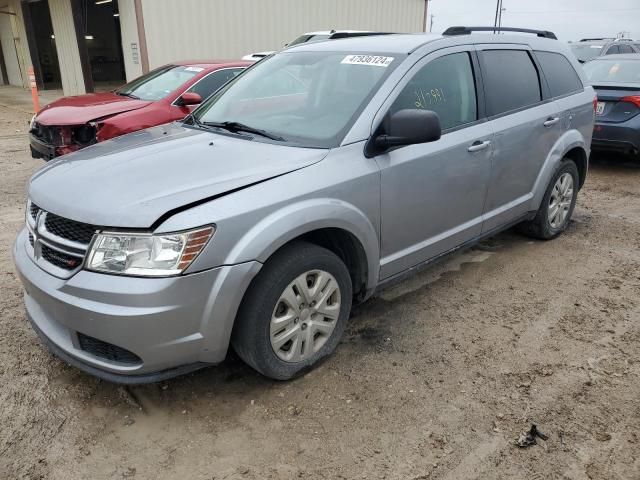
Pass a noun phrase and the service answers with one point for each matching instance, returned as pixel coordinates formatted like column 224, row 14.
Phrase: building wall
column 8, row 50
column 204, row 29
column 67, row 47
column 130, row 40
column 13, row 34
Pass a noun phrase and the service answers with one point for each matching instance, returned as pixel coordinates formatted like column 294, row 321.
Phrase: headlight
column 32, row 122
column 146, row 255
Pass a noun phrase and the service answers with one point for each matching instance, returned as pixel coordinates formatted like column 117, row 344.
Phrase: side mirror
column 188, row 98
column 406, row 127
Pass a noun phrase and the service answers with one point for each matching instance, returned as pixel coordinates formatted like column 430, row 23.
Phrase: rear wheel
column 557, row 205
column 295, row 311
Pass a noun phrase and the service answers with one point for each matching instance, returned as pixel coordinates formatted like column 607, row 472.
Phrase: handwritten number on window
column 427, row 98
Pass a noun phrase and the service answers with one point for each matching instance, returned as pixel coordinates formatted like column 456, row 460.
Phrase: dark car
column 616, row 79
column 590, row 48
column 163, row 95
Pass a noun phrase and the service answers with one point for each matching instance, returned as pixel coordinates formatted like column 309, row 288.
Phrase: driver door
column 433, row 193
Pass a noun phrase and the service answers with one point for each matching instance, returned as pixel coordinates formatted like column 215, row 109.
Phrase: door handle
column 551, row 121
column 478, row 145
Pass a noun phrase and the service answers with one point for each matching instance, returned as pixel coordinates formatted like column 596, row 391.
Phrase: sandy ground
column 434, row 379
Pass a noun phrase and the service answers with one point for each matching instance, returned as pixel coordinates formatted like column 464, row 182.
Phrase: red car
column 163, row 95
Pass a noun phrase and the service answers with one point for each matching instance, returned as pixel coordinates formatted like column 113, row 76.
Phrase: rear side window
column 560, row 74
column 511, row 80
column 613, row 50
column 446, row 86
column 625, row 49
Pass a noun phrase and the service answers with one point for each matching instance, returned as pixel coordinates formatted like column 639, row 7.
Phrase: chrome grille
column 58, row 244
column 69, row 229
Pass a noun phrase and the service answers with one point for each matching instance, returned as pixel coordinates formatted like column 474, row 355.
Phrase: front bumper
column 171, row 325
column 40, row 149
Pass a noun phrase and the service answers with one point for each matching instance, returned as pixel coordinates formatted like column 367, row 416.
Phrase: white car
column 315, row 37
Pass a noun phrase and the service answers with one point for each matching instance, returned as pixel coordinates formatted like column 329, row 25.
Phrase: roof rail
column 468, row 30
column 595, row 39
column 338, row 35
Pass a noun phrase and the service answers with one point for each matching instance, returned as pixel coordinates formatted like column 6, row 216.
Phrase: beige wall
column 129, row 30
column 14, row 26
column 205, row 29
column 67, row 47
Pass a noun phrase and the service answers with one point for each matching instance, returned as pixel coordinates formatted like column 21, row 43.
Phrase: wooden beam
column 142, row 36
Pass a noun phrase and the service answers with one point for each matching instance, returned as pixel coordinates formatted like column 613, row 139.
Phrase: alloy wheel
column 560, row 200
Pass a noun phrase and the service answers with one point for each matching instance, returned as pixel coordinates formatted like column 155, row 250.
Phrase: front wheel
column 294, row 312
column 557, row 205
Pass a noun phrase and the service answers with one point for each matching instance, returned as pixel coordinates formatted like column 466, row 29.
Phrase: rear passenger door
column 525, row 126
column 563, row 84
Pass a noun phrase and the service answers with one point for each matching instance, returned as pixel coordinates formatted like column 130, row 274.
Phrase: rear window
column 159, row 83
column 586, row 52
column 611, row 70
column 511, row 80
column 560, row 74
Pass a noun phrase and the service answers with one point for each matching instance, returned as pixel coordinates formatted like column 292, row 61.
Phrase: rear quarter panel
column 579, row 131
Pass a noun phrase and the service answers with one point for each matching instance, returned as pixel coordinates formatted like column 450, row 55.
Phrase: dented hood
column 85, row 108
column 131, row 181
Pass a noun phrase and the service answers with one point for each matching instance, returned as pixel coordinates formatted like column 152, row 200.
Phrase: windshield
column 307, row 98
column 584, row 53
column 308, row 38
column 611, row 70
column 158, row 83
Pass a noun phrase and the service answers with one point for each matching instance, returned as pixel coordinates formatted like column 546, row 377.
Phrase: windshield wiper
column 241, row 127
column 191, row 119
column 130, row 95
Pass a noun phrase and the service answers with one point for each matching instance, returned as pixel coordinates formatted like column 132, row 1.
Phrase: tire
column 542, row 226
column 282, row 329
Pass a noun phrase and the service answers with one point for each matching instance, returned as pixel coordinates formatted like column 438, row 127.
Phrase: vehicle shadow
column 614, row 162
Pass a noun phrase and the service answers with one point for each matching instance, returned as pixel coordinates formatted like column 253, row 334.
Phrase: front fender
column 570, row 140
column 291, row 221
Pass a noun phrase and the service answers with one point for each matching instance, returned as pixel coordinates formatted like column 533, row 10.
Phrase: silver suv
column 314, row 178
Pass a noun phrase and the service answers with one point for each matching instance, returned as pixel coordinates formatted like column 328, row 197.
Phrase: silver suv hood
column 133, row 180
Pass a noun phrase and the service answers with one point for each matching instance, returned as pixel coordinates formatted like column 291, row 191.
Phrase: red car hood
column 84, row 108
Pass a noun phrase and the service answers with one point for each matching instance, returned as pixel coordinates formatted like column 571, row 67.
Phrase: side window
column 212, row 82
column 446, row 86
column 511, row 80
column 625, row 49
column 613, row 50
column 559, row 72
